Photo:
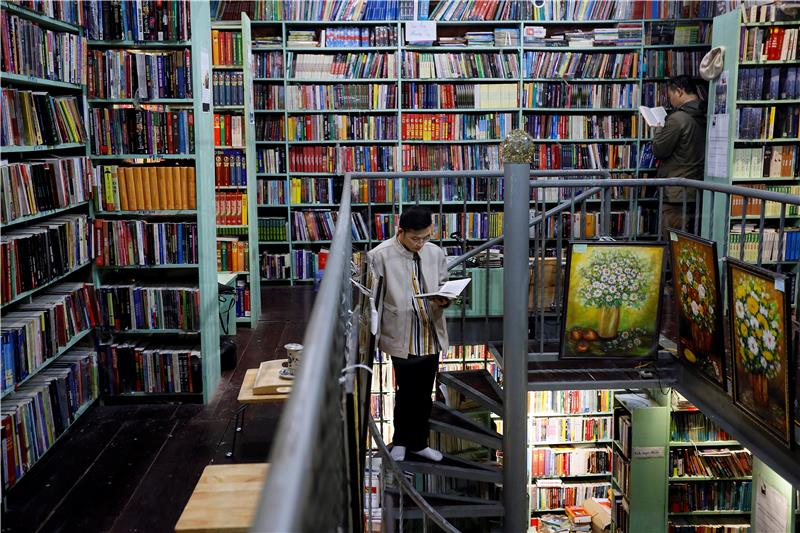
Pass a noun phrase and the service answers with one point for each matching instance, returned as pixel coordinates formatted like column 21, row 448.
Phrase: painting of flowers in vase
column 613, row 300
column 760, row 340
column 697, row 300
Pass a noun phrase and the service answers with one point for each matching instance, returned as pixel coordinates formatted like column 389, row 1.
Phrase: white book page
column 449, row 290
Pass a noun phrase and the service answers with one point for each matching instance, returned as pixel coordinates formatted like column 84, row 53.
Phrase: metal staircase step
column 455, row 511
column 478, row 385
column 435, row 498
column 446, row 420
column 454, row 467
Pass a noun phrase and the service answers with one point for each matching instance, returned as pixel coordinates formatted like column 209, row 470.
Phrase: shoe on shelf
column 398, row 453
column 430, row 454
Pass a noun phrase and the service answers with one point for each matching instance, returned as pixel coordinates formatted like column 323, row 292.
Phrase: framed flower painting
column 697, row 301
column 612, row 300
column 760, row 345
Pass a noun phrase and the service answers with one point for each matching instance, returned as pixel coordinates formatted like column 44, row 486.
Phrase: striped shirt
column 423, row 339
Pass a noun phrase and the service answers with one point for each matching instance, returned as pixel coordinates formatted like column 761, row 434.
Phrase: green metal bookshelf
column 204, row 272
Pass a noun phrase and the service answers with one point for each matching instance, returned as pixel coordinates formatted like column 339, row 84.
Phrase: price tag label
column 580, row 248
column 648, row 452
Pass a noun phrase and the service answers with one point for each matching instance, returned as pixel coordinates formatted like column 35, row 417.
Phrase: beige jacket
column 390, row 265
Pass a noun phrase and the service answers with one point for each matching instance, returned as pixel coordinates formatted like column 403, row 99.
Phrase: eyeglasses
column 419, row 240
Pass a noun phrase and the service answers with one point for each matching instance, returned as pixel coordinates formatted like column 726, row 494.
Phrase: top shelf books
column 144, row 20
column 460, row 10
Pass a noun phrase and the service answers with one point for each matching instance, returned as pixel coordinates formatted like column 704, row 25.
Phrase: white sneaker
column 430, row 454
column 398, row 453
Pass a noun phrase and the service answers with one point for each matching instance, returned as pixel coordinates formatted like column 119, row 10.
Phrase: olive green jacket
column 681, row 147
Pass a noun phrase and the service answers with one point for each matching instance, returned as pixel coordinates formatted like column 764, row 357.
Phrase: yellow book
column 192, row 189
column 161, row 178
column 182, row 187
column 155, row 196
column 215, row 47
column 168, row 187
column 108, row 187
column 176, row 187
column 131, row 182
column 244, row 209
column 147, row 199
column 122, row 186
column 139, row 188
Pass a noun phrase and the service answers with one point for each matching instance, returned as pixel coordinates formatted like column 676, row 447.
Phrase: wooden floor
column 132, row 468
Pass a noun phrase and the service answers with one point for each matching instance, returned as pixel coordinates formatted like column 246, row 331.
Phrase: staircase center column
column 517, row 154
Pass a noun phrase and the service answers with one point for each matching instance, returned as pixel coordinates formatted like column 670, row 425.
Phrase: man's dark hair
column 416, row 218
column 689, row 85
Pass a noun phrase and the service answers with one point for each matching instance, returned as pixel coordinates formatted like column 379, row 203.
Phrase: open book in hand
column 449, row 290
column 654, row 116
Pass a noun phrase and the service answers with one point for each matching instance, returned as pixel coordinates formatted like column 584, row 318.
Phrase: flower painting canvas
column 760, row 342
column 612, row 299
column 697, row 300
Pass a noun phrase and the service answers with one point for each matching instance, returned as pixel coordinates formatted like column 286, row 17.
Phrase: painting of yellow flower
column 613, row 299
column 760, row 341
column 698, row 304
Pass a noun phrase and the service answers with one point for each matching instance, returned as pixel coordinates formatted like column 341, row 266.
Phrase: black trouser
column 414, row 379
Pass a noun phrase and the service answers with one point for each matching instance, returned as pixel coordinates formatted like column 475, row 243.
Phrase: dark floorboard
column 132, row 468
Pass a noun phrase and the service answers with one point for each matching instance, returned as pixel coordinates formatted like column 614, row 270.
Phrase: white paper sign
column 717, row 151
column 420, row 31
column 771, row 510
column 648, row 452
column 205, row 73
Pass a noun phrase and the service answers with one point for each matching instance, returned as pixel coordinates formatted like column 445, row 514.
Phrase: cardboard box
column 600, row 509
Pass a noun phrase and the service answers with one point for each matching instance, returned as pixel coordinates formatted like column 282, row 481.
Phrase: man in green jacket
column 681, row 147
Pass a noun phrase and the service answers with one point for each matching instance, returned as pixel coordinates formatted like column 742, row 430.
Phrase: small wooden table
column 224, row 500
column 247, row 397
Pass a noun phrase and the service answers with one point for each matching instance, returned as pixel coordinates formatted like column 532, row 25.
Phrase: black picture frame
column 566, row 337
column 760, row 418
column 718, row 339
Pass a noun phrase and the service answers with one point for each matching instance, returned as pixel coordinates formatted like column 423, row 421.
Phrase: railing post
column 517, row 154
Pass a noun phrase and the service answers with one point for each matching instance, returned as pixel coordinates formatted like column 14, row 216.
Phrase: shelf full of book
column 570, row 436
column 760, row 98
column 708, row 473
column 333, row 95
column 46, row 245
column 234, row 163
column 155, row 262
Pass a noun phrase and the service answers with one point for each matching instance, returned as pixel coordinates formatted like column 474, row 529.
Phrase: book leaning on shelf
column 144, row 188
column 33, row 417
column 143, row 20
column 148, row 368
column 35, row 187
column 40, row 253
column 36, row 118
column 36, row 332
column 149, row 130
column 136, row 306
column 146, row 75
column 121, row 243
column 31, row 50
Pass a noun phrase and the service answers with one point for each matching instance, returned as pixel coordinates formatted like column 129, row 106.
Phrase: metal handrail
column 289, row 480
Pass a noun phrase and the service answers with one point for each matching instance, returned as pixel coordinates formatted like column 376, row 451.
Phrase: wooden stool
column 224, row 500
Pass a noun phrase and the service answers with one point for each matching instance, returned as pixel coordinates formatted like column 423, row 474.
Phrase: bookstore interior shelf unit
column 332, row 96
column 235, row 163
column 155, row 266
column 45, row 247
column 761, row 101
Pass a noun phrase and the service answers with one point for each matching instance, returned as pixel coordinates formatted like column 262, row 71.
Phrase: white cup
column 294, row 352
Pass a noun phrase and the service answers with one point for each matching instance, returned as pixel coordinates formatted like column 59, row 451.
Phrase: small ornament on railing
column 517, row 147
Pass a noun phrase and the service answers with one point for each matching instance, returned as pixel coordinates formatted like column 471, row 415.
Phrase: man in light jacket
column 411, row 330
column 681, row 147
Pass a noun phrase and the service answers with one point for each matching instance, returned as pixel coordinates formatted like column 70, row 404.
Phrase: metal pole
column 515, row 345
